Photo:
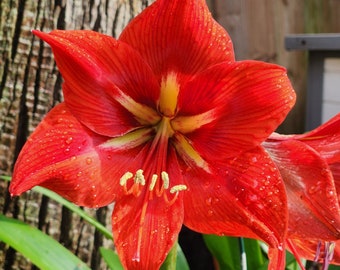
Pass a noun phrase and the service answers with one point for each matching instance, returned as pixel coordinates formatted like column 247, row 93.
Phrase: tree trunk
column 30, row 85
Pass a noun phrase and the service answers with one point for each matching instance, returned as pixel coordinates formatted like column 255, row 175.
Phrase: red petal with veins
column 180, row 36
column 325, row 139
column 63, row 155
column 245, row 198
column 143, row 240
column 98, row 70
column 312, row 197
column 247, row 99
column 146, row 227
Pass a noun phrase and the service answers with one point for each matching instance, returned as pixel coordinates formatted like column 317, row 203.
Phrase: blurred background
column 30, row 84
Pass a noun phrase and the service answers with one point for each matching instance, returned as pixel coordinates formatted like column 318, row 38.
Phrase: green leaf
column 182, row 263
column 255, row 257
column 42, row 250
column 170, row 261
column 111, row 258
column 226, row 250
column 77, row 210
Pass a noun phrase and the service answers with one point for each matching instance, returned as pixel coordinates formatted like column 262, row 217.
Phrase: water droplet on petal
column 136, row 257
column 69, row 140
column 208, row 201
column 210, row 213
column 88, row 161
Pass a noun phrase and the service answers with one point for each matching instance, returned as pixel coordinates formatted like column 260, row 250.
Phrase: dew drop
column 330, row 194
column 208, row 201
column 253, row 160
column 79, row 174
column 312, row 189
column 210, row 213
column 88, row 161
column 136, row 257
column 69, row 140
column 262, row 188
column 207, row 183
column 252, row 197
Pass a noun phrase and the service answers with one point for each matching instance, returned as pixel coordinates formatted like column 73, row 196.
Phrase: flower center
column 154, row 175
column 156, row 129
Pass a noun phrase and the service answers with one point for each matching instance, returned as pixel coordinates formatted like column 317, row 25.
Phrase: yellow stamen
column 166, row 180
column 139, row 181
column 168, row 95
column 178, row 188
column 139, row 177
column 125, row 178
column 153, row 182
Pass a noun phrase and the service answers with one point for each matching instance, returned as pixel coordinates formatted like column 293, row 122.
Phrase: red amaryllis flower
column 309, row 164
column 167, row 125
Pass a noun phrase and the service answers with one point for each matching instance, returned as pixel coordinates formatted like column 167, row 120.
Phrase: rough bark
column 30, row 85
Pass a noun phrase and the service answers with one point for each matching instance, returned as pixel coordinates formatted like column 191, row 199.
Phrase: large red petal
column 314, row 211
column 325, row 139
column 247, row 101
column 146, row 227
column 145, row 230
column 100, row 73
column 335, row 169
column 180, row 36
column 63, row 155
column 246, row 198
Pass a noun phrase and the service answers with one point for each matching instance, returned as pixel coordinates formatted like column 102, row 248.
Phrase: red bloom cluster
column 167, row 125
column 310, row 168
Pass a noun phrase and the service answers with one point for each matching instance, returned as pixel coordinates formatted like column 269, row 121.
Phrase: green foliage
column 227, row 251
column 41, row 249
column 111, row 258
column 45, row 243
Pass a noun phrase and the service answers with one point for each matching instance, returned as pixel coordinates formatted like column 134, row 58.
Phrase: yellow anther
column 165, row 178
column 153, row 182
column 178, row 188
column 139, row 177
column 125, row 178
